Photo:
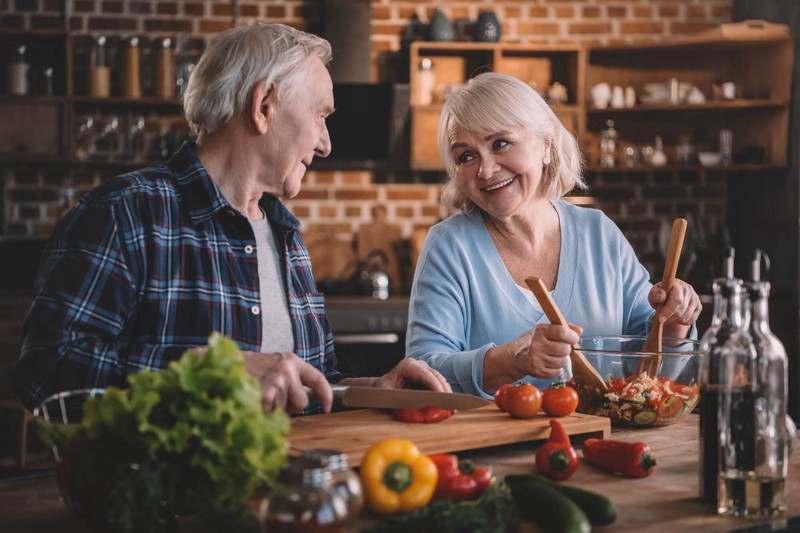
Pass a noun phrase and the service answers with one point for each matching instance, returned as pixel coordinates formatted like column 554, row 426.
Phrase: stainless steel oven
column 369, row 335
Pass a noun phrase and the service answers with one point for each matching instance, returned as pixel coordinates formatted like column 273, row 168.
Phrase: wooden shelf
column 722, row 105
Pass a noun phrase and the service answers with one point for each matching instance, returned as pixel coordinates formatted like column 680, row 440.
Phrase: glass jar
column 608, row 146
column 99, row 70
column 306, row 502
column 18, row 73
column 344, row 480
column 165, row 69
column 133, row 83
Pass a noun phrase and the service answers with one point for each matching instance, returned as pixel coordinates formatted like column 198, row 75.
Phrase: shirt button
column 248, row 249
column 255, row 310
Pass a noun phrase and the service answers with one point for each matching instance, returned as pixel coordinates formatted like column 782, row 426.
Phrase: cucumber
column 645, row 417
column 598, row 509
column 548, row 508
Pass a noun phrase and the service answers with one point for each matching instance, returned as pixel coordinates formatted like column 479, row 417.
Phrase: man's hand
column 282, row 376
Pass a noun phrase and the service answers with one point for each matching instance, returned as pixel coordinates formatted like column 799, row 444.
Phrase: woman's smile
column 502, row 185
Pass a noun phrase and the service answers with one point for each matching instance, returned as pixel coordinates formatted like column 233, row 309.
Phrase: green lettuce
column 191, row 439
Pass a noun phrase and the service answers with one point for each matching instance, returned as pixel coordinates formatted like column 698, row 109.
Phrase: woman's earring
column 546, row 159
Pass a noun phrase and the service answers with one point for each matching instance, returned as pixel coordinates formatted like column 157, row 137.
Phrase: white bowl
column 709, row 159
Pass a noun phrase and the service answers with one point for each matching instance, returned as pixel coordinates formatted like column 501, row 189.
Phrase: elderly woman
column 509, row 161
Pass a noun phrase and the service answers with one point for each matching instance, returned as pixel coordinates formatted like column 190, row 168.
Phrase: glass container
column 132, row 87
column 306, row 502
column 18, row 73
column 344, row 480
column 99, row 70
column 608, row 146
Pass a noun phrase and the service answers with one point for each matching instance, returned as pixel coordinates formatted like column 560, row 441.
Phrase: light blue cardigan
column 464, row 302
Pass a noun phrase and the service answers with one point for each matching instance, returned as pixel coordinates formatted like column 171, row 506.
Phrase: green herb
column 493, row 512
column 191, row 439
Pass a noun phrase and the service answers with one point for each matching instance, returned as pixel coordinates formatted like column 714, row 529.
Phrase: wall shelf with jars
column 716, row 100
column 78, row 99
column 713, row 102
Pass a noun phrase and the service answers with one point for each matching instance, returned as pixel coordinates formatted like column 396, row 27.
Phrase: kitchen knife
column 380, row 398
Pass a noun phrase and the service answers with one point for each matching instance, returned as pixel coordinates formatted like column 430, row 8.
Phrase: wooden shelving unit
column 757, row 60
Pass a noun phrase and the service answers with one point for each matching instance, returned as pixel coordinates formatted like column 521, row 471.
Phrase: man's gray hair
column 237, row 60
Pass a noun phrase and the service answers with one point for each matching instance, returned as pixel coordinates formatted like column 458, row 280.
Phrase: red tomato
column 687, row 390
column 559, row 400
column 669, row 406
column 435, row 414
column 500, row 394
column 417, row 416
column 522, row 401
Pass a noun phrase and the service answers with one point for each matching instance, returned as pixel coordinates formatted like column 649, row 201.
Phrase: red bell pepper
column 459, row 479
column 556, row 458
column 427, row 414
column 631, row 459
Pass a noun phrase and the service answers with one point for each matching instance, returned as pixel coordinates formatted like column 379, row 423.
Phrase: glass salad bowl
column 636, row 397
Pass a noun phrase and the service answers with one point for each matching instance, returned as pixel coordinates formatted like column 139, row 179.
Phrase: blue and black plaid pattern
column 149, row 264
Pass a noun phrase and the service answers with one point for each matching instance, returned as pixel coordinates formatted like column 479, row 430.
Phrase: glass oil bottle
column 760, row 490
column 726, row 323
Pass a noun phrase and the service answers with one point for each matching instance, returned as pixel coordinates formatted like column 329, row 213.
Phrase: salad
column 643, row 401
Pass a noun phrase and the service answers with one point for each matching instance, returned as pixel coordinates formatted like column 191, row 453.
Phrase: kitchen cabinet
column 744, row 83
column 739, row 72
column 57, row 127
column 438, row 67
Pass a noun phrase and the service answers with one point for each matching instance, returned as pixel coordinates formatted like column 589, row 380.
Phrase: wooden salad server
column 586, row 376
column 652, row 344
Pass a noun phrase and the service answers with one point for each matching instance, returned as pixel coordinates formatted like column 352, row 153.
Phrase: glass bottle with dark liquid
column 760, row 490
column 727, row 322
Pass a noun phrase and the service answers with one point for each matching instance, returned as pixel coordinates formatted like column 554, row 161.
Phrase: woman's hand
column 541, row 352
column 408, row 373
column 678, row 309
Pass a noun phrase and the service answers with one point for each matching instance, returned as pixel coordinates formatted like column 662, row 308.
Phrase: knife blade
column 380, row 398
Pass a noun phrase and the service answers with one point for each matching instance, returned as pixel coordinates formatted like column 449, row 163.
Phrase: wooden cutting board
column 354, row 432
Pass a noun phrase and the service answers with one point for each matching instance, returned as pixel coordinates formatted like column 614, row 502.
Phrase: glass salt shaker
column 344, row 480
column 306, row 502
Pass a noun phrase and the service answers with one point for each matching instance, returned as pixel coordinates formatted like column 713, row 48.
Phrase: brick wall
column 338, row 203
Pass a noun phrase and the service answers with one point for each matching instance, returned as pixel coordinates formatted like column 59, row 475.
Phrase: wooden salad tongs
column 586, row 376
column 652, row 345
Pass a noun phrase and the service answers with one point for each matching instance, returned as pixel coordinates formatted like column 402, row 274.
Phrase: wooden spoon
column 653, row 342
column 586, row 376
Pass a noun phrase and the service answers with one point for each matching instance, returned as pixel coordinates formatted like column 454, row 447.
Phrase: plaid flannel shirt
column 149, row 264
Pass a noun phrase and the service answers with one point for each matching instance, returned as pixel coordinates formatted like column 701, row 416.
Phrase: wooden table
column 665, row 502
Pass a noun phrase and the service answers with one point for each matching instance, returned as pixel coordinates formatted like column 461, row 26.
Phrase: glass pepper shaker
column 344, row 480
column 306, row 502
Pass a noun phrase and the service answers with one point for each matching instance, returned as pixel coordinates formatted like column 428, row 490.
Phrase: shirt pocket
column 311, row 327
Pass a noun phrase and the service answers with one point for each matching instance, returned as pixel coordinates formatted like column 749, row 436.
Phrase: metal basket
column 65, row 408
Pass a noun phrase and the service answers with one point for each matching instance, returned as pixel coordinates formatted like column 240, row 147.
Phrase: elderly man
column 150, row 263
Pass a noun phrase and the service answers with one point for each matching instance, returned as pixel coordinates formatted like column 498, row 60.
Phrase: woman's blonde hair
column 237, row 60
column 494, row 102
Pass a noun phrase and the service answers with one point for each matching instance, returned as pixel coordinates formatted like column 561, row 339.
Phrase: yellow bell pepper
column 396, row 477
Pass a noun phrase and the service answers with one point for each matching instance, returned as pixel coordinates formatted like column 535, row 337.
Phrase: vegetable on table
column 500, row 393
column 631, row 459
column 521, row 401
column 598, row 509
column 559, row 399
column 430, row 414
column 396, row 477
column 492, row 512
column 556, row 458
column 459, row 479
column 191, row 439
column 548, row 508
